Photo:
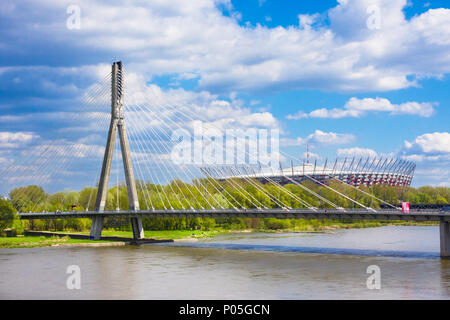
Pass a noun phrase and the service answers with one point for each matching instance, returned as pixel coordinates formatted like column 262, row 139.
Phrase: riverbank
column 113, row 238
column 42, row 241
column 324, row 225
column 120, row 238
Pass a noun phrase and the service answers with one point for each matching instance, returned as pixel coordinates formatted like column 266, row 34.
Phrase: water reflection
column 259, row 266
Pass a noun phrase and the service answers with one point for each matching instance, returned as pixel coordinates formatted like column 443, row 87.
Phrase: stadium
column 362, row 171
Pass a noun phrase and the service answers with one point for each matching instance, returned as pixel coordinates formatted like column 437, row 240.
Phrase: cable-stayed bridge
column 158, row 186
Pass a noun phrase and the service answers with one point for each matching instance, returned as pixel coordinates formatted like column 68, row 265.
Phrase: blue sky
column 368, row 77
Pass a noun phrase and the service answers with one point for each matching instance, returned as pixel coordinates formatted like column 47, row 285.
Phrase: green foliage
column 204, row 193
column 6, row 214
column 275, row 224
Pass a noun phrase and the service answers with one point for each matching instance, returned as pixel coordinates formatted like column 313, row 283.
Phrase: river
column 239, row 266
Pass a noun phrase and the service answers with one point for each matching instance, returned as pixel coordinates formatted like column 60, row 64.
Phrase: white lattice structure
column 392, row 172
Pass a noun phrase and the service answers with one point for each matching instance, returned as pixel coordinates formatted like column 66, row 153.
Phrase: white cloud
column 356, row 108
column 15, row 139
column 178, row 104
column 357, row 152
column 4, row 161
column 194, row 40
column 437, row 176
column 432, row 173
column 429, row 146
column 298, row 115
column 329, row 138
column 194, row 37
column 187, row 76
column 311, row 155
column 320, row 138
column 431, row 152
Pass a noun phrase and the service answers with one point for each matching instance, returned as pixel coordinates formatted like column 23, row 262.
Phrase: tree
column 27, row 197
column 6, row 214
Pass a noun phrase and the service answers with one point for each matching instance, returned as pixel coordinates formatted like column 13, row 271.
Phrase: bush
column 273, row 224
column 17, row 225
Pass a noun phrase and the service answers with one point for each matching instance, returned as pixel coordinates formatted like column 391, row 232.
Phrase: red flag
column 405, row 207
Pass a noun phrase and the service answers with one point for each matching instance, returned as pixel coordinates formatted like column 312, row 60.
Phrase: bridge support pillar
column 96, row 228
column 117, row 124
column 138, row 229
column 445, row 239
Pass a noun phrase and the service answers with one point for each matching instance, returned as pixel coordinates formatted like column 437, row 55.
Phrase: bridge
column 177, row 199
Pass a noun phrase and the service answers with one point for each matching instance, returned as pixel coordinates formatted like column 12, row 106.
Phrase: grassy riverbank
column 40, row 241
column 164, row 234
column 189, row 235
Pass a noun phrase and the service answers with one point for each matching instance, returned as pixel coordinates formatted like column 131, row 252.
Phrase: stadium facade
column 355, row 171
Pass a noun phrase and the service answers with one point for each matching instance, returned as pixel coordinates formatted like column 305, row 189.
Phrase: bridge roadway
column 383, row 214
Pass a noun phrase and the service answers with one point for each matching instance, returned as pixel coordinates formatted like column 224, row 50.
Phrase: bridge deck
column 384, row 214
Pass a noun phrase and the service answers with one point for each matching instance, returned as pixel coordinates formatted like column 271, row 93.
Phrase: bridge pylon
column 117, row 124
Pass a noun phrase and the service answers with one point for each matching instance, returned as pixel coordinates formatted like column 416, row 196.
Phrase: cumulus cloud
column 357, row 152
column 431, row 152
column 195, row 37
column 356, row 108
column 15, row 139
column 437, row 176
column 429, row 146
column 320, row 138
column 180, row 105
column 194, row 41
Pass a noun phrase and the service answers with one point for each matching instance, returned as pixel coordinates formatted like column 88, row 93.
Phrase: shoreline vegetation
column 35, row 199
column 179, row 235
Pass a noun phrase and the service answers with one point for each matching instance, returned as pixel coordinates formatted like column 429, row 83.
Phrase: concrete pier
column 96, row 228
column 138, row 229
column 445, row 239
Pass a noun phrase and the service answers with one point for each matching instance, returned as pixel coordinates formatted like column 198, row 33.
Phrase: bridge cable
column 167, row 170
column 184, row 166
column 63, row 165
column 187, row 167
column 194, row 120
column 61, row 152
column 140, row 147
column 252, row 182
column 24, row 159
column 258, row 206
column 175, row 181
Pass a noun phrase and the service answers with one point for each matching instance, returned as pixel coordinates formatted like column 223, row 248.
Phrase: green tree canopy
column 6, row 214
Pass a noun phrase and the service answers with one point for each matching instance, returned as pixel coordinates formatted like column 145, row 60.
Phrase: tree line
column 202, row 193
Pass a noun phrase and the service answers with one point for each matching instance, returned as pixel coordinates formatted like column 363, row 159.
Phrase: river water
column 239, row 266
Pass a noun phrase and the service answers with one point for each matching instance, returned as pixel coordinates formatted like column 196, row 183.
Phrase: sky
column 347, row 78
